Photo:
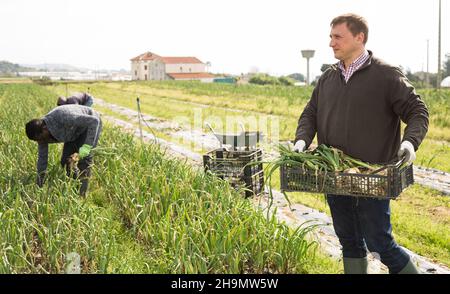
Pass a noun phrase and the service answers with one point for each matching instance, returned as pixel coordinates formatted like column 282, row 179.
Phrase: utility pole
column 139, row 117
column 439, row 74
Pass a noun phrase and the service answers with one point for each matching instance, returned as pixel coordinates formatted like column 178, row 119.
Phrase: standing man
column 78, row 98
column 357, row 106
column 78, row 127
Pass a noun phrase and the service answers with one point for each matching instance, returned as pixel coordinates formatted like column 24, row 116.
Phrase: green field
column 421, row 216
column 157, row 216
column 172, row 100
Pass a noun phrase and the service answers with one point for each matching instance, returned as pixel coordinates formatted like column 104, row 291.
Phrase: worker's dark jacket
column 362, row 117
column 67, row 123
column 81, row 99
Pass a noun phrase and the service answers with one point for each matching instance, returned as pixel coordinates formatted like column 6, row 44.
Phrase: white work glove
column 299, row 146
column 407, row 149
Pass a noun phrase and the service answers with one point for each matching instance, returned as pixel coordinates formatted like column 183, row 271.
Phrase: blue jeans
column 365, row 223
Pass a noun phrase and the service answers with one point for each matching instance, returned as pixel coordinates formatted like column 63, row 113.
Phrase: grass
column 437, row 155
column 414, row 218
column 40, row 227
column 192, row 104
column 14, row 80
column 145, row 212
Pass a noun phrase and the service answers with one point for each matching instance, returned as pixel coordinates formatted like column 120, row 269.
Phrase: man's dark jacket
column 362, row 117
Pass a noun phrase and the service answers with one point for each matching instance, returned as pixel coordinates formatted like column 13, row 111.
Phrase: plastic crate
column 387, row 184
column 238, row 168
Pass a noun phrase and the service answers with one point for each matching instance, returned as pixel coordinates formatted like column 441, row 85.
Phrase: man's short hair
column 355, row 23
column 33, row 128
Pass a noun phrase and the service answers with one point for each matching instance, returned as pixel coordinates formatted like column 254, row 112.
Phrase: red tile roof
column 174, row 60
column 145, row 56
column 179, row 76
column 167, row 60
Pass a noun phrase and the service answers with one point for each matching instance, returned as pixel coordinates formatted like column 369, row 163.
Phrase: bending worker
column 78, row 127
column 78, row 98
column 357, row 106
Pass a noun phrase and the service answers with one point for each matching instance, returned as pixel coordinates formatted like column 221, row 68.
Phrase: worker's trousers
column 363, row 224
column 84, row 165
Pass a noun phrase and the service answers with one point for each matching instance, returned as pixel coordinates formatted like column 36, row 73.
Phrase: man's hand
column 299, row 146
column 407, row 149
column 84, row 151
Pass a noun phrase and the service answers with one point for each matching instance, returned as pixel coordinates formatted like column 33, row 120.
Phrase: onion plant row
column 141, row 200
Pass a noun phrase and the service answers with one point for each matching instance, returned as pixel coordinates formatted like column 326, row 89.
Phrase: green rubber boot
column 409, row 269
column 355, row 266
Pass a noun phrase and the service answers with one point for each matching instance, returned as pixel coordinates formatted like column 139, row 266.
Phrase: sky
column 236, row 36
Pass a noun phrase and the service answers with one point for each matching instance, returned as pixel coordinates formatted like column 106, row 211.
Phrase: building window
column 181, row 69
column 146, row 77
column 145, row 67
column 190, row 70
column 135, row 72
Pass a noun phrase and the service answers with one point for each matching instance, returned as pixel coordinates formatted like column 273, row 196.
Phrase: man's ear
column 361, row 37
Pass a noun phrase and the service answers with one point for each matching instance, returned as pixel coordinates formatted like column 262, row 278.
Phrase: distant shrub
column 265, row 79
column 286, row 81
column 43, row 81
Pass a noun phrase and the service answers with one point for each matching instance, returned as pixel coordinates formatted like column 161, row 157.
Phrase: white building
column 149, row 66
column 446, row 82
column 78, row 76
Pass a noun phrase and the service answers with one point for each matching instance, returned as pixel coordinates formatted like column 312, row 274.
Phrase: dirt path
column 433, row 178
column 198, row 104
column 325, row 234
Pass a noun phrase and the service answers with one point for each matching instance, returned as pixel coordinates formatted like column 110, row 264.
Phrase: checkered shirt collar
column 354, row 66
